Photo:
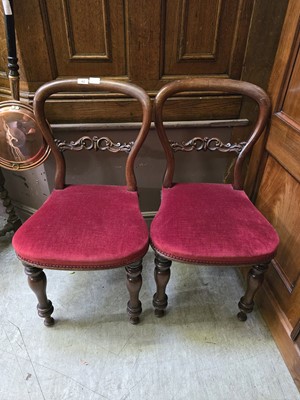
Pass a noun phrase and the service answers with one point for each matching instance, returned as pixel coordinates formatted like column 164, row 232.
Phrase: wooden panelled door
column 279, row 194
column 145, row 42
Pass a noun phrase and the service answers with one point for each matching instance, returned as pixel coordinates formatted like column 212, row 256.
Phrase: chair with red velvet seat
column 209, row 223
column 86, row 227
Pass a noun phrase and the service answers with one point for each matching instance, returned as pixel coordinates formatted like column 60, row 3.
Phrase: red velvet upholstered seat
column 211, row 224
column 84, row 227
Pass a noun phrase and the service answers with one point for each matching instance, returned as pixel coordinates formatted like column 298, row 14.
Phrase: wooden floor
column 199, row 350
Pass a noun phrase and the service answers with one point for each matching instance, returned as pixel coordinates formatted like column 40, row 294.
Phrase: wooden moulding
column 220, row 123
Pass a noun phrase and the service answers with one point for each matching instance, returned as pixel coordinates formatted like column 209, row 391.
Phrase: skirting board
column 280, row 329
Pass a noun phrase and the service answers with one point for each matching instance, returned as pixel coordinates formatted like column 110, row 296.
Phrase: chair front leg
column 254, row 282
column 38, row 282
column 161, row 275
column 134, row 284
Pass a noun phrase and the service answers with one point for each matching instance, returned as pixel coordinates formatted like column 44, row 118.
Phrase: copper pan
column 22, row 145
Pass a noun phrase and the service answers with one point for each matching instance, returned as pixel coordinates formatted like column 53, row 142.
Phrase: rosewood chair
column 207, row 223
column 86, row 227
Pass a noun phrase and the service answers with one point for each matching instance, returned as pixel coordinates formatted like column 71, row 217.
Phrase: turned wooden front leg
column 254, row 282
column 161, row 275
column 38, row 282
column 134, row 284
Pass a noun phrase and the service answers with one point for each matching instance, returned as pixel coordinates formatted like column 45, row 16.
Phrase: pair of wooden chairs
column 95, row 227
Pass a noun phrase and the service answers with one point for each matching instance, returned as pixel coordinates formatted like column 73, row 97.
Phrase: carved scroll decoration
column 212, row 144
column 94, row 143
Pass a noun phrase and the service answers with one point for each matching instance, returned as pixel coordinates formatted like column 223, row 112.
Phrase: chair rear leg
column 254, row 282
column 134, row 284
column 161, row 275
column 38, row 282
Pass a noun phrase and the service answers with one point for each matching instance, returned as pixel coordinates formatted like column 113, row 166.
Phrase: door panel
column 284, row 142
column 88, row 37
column 279, row 194
column 205, row 37
column 292, row 99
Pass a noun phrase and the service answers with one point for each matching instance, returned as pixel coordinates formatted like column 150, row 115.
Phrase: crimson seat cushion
column 84, row 226
column 211, row 224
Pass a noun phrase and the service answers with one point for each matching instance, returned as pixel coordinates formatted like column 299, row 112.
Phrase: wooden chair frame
column 162, row 262
column 36, row 276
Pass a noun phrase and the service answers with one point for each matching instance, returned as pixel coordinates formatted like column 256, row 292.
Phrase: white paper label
column 6, row 7
column 95, row 80
column 82, row 81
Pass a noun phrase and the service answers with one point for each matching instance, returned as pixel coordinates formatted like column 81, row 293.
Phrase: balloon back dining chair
column 210, row 223
column 84, row 227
